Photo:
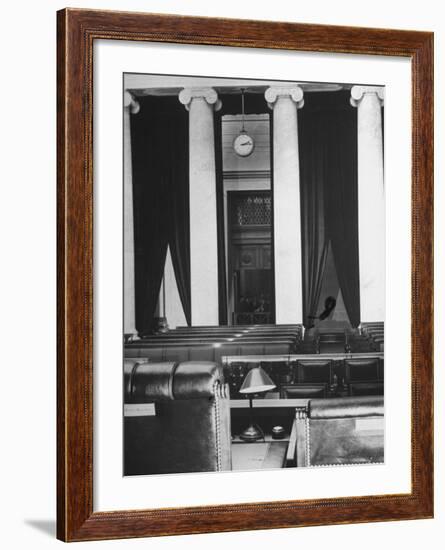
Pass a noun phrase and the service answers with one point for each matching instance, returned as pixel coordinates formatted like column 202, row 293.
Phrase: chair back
column 347, row 430
column 362, row 369
column 314, row 370
column 190, row 430
column 303, row 391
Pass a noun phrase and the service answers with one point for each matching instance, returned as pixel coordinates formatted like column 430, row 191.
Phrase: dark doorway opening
column 250, row 251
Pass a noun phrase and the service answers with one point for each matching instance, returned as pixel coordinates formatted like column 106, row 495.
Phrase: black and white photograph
column 254, row 274
column 223, row 259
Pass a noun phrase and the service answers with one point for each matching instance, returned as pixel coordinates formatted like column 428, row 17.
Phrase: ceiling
column 166, row 85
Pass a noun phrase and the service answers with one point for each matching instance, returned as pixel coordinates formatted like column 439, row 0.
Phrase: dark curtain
column 222, row 278
column 160, row 158
column 179, row 222
column 329, row 210
column 314, row 238
column 272, row 255
column 341, row 206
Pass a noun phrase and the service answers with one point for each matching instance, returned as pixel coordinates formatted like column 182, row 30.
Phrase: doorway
column 250, row 261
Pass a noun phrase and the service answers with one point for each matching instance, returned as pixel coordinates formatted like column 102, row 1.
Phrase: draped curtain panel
column 222, row 277
column 272, row 257
column 329, row 207
column 341, row 206
column 160, row 159
column 313, row 173
column 179, row 198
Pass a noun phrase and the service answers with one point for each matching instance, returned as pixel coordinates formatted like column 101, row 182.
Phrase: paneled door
column 250, row 257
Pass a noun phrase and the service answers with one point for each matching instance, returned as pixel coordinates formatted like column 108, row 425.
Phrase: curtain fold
column 329, row 204
column 272, row 248
column 341, row 207
column 222, row 277
column 314, row 238
column 161, row 208
column 179, row 219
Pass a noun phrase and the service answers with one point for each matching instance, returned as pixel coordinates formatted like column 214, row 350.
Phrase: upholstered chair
column 347, row 430
column 187, row 429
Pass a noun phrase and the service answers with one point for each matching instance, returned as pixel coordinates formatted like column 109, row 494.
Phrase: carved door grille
column 252, row 209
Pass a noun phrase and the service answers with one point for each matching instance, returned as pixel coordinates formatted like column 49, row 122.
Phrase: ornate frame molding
column 77, row 30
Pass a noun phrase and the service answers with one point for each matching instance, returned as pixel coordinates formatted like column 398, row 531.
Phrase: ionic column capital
column 187, row 95
column 357, row 93
column 131, row 103
column 293, row 92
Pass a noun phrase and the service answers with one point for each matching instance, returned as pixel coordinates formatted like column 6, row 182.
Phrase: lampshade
column 257, row 381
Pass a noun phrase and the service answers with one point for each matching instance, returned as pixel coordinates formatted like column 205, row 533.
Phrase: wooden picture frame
column 77, row 31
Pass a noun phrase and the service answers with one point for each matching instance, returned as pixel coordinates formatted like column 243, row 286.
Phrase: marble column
column 130, row 106
column 201, row 104
column 285, row 101
column 371, row 201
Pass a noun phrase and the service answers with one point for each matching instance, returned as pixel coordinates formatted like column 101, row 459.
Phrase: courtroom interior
column 254, row 274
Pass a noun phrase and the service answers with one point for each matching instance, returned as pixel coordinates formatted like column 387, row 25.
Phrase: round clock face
column 243, row 145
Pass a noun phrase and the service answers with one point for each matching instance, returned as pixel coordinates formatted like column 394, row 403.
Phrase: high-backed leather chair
column 314, row 370
column 190, row 430
column 303, row 391
column 347, row 430
column 362, row 369
column 366, row 388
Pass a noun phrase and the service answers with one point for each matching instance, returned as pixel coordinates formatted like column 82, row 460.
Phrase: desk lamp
column 256, row 381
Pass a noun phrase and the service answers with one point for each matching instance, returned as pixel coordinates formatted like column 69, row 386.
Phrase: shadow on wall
column 46, row 526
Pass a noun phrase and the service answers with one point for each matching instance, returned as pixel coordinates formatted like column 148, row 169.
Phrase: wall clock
column 243, row 144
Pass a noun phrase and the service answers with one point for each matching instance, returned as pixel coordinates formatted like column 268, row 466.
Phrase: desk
column 261, row 455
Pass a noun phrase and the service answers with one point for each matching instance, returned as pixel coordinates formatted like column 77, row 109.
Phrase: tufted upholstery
column 191, row 429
